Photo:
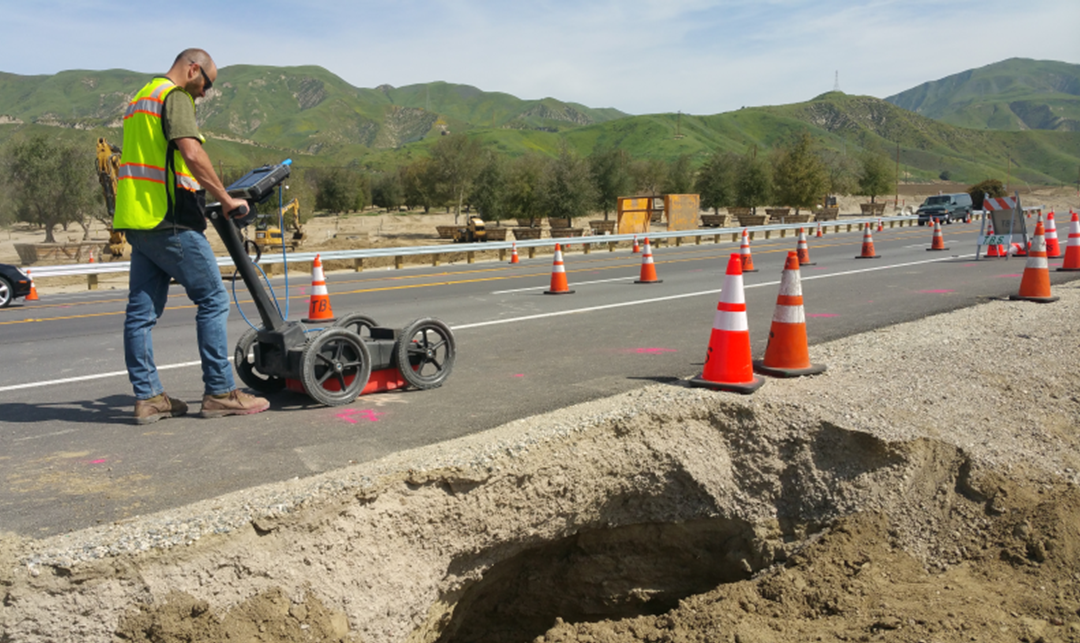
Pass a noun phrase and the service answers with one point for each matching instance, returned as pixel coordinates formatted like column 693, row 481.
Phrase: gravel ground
column 941, row 427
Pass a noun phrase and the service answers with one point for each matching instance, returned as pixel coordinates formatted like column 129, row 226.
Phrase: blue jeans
column 156, row 257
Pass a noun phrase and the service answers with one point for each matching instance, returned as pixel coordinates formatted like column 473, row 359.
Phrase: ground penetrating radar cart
column 339, row 360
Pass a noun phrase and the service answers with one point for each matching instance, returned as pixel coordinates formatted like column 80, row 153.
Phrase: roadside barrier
column 559, row 286
column 1035, row 284
column 868, row 245
column 728, row 363
column 398, row 255
column 744, row 253
column 802, row 250
column 1072, row 246
column 648, row 268
column 788, row 353
column 319, row 309
column 938, row 242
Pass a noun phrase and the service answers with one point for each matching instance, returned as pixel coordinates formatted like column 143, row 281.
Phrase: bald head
column 194, row 70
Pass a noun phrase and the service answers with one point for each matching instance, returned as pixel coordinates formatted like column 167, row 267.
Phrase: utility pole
column 896, row 203
column 1008, row 174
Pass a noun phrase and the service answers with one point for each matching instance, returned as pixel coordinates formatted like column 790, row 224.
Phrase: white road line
column 576, row 283
column 514, row 320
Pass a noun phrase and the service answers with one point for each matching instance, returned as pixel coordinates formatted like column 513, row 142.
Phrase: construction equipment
column 108, row 166
column 269, row 236
column 338, row 360
column 472, row 232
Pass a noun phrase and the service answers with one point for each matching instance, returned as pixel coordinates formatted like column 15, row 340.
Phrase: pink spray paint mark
column 934, row 292
column 98, row 461
column 650, row 351
column 822, row 315
column 518, row 375
column 366, row 414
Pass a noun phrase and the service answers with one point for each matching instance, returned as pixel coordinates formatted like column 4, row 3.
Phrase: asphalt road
column 70, row 456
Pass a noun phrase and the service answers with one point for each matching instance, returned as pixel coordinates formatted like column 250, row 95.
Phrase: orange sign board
column 682, row 211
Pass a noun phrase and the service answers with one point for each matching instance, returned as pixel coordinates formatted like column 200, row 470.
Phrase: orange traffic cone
column 91, row 255
column 868, row 245
column 938, row 242
column 880, row 227
column 802, row 250
column 636, row 249
column 319, row 309
column 728, row 363
column 514, row 255
column 33, row 289
column 558, row 276
column 744, row 253
column 996, row 251
column 1072, row 247
column 818, row 229
column 1035, row 284
column 787, row 353
column 1053, row 248
column 648, row 268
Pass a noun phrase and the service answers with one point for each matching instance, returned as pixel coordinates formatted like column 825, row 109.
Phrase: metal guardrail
column 92, row 270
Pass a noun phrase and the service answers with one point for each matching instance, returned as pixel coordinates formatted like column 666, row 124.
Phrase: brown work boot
column 158, row 408
column 235, row 402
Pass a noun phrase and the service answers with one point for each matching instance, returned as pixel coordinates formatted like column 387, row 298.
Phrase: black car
column 14, row 283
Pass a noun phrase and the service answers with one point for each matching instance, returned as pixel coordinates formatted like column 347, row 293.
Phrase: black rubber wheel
column 358, row 323
column 7, row 293
column 424, row 353
column 335, row 366
column 244, row 360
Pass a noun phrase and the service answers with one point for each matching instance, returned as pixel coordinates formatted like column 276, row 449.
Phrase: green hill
column 1014, row 94
column 260, row 114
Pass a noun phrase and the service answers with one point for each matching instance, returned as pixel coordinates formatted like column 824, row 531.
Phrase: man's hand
column 229, row 204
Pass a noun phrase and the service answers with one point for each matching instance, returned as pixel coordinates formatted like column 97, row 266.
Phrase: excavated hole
column 603, row 574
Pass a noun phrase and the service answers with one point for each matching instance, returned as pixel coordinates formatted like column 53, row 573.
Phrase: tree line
column 53, row 184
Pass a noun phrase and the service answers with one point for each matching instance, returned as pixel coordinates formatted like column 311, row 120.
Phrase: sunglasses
column 207, row 83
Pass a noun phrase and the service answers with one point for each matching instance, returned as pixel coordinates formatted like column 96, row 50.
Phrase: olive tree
column 875, row 177
column 567, row 187
column 753, row 181
column 799, row 176
column 489, row 193
column 715, row 181
column 523, row 186
column 51, row 184
column 456, row 159
column 610, row 168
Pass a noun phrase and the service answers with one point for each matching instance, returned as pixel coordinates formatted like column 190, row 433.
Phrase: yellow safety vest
column 144, row 193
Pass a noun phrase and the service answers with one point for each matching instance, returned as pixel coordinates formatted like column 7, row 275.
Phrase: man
column 159, row 204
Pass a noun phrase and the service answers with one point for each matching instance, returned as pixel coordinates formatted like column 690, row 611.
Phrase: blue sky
column 640, row 56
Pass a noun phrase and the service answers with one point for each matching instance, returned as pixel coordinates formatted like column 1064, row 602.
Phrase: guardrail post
column 532, row 252
column 269, row 269
column 611, row 246
column 697, row 240
column 678, row 241
column 783, row 232
column 751, row 235
column 470, row 257
column 91, row 282
column 434, row 259
column 849, row 227
column 587, row 248
column 502, row 254
column 734, row 237
column 716, row 238
column 399, row 262
column 358, row 264
column 767, row 233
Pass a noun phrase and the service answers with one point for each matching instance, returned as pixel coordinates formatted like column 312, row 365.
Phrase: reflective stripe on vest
column 142, row 190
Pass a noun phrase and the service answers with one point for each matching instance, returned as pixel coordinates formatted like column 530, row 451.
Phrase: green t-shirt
column 178, row 116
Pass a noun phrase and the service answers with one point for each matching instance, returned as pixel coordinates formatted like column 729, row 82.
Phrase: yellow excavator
column 108, row 166
column 268, row 236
